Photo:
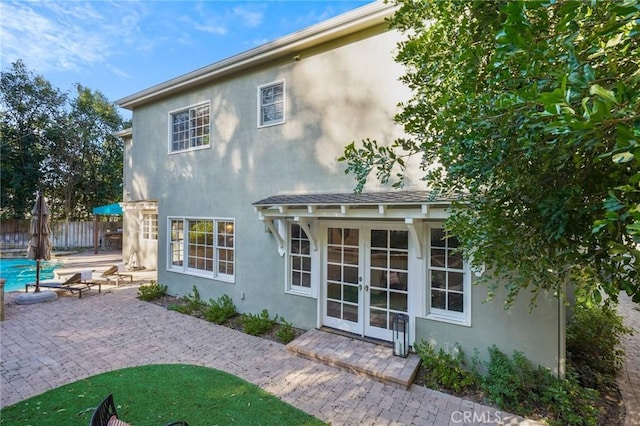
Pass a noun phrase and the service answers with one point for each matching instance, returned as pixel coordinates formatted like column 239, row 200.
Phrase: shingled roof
column 370, row 198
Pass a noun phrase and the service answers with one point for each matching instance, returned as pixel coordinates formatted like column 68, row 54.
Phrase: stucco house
column 232, row 184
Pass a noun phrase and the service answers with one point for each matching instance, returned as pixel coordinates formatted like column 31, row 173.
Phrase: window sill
column 195, row 148
column 300, row 293
column 465, row 322
column 207, row 276
column 262, row 126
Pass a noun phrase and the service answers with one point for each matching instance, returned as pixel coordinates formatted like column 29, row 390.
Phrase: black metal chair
column 106, row 415
column 104, row 412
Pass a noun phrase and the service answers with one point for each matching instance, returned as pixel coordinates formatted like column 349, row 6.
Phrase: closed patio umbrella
column 39, row 246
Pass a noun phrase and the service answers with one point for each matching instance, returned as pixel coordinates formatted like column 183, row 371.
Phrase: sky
column 121, row 47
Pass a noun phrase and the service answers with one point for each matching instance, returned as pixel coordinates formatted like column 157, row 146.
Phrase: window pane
column 351, row 237
column 455, row 281
column 398, row 281
column 399, row 240
column 306, row 279
column 438, row 299
column 378, row 278
column 306, row 264
column 334, row 272
column 455, row 302
column 334, row 254
column 295, row 278
column 379, row 258
column 333, row 309
column 454, row 260
column 398, row 301
column 379, row 239
column 379, row 298
column 437, row 238
column 438, row 257
column 399, row 260
column 350, row 312
column 334, row 291
column 350, row 275
column 438, row 279
column 351, row 294
column 377, row 318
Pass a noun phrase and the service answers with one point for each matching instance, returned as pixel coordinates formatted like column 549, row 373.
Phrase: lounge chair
column 107, row 415
column 77, row 282
column 115, row 273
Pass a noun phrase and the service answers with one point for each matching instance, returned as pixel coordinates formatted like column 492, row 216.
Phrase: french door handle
column 366, row 288
column 360, row 287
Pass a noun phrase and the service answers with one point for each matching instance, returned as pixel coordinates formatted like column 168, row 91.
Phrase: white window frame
column 217, row 247
column 311, row 291
column 150, row 226
column 188, row 110
column 459, row 318
column 262, row 124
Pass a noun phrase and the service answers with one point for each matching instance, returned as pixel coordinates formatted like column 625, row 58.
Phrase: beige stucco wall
column 533, row 330
column 335, row 94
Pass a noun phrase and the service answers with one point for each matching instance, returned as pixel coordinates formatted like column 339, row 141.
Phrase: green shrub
column 151, row 291
column 285, row 333
column 593, row 344
column 568, row 403
column 183, row 309
column 220, row 310
column 512, row 383
column 192, row 306
column 257, row 324
column 445, row 370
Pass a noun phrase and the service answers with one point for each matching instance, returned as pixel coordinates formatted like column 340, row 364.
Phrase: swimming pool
column 19, row 272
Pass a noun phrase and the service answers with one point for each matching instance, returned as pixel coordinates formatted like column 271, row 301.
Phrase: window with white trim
column 190, row 128
column 203, row 247
column 448, row 279
column 271, row 104
column 299, row 260
column 150, row 226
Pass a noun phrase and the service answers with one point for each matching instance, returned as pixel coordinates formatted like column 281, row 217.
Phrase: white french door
column 365, row 277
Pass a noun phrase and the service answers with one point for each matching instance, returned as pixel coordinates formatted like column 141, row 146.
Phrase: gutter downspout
column 562, row 333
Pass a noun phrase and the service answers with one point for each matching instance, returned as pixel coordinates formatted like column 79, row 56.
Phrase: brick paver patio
column 47, row 345
column 50, row 344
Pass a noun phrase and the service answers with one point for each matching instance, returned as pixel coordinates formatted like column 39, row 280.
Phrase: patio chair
column 106, row 415
column 115, row 273
column 77, row 282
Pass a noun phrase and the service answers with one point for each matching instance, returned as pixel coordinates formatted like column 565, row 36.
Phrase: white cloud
column 51, row 39
column 68, row 35
column 250, row 18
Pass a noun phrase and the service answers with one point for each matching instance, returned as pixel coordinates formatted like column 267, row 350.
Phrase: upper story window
column 449, row 279
column 271, row 104
column 150, row 226
column 190, row 128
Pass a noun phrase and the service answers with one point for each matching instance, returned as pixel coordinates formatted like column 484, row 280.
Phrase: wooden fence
column 14, row 234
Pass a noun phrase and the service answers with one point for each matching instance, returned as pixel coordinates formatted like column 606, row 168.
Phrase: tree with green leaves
column 85, row 163
column 64, row 147
column 29, row 107
column 527, row 114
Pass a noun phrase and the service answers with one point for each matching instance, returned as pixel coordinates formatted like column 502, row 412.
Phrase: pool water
column 19, row 272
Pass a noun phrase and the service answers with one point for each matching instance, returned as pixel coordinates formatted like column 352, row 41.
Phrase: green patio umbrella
column 39, row 245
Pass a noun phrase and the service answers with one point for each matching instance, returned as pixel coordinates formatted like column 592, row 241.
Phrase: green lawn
column 156, row 394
